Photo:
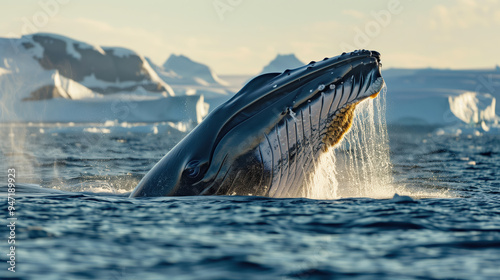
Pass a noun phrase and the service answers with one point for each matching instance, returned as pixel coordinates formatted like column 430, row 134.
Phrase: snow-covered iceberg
column 101, row 69
column 179, row 69
column 473, row 108
column 52, row 78
column 188, row 77
column 443, row 97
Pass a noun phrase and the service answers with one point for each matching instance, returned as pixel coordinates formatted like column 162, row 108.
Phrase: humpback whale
column 266, row 139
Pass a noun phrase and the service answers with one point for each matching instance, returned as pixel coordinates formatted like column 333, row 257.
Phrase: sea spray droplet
column 332, row 86
column 275, row 86
column 321, row 87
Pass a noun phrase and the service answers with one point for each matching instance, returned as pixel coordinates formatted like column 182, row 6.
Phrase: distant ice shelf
column 447, row 98
column 175, row 109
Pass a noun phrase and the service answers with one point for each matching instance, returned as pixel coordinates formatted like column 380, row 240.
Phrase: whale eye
column 193, row 169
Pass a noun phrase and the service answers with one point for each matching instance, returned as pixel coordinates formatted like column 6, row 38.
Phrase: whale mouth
column 377, row 87
column 343, row 118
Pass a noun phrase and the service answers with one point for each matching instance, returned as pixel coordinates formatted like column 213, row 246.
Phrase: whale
column 268, row 137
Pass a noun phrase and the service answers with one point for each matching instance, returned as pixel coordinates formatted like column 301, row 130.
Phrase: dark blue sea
column 75, row 220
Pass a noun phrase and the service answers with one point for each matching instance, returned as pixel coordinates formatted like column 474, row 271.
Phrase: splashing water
column 360, row 165
column 363, row 166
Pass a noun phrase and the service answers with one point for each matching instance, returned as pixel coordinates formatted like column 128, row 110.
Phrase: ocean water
column 75, row 220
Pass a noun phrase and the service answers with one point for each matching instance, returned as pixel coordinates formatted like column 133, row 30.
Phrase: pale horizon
column 241, row 37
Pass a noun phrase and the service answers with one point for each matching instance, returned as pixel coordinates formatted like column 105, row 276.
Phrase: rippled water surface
column 76, row 222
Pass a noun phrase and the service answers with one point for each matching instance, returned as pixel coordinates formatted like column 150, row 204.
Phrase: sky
column 242, row 36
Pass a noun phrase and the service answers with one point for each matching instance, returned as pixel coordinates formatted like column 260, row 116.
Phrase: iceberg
column 51, row 78
column 101, row 69
column 473, row 108
column 179, row 69
column 443, row 97
column 188, row 78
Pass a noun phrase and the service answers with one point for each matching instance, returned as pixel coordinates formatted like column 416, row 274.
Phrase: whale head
column 267, row 137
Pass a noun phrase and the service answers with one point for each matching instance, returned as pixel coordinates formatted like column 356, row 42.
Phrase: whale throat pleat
column 296, row 143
